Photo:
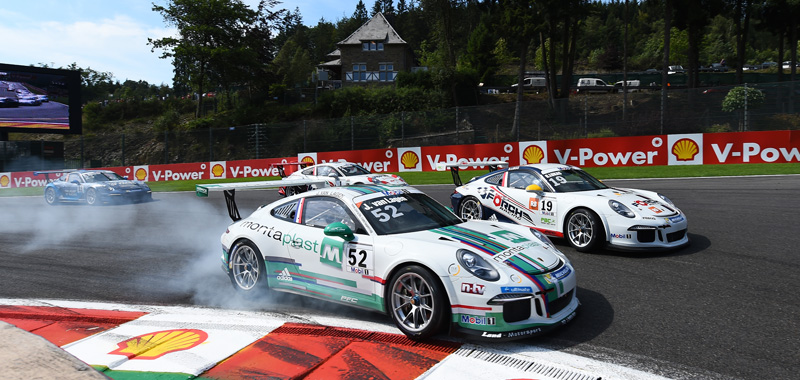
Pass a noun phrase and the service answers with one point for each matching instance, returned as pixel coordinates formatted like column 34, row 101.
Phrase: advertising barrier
column 681, row 149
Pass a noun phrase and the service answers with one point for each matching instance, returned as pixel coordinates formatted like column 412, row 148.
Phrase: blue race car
column 93, row 187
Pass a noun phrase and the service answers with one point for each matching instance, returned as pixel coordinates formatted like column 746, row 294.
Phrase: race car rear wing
column 229, row 189
column 282, row 171
column 493, row 165
column 47, row 173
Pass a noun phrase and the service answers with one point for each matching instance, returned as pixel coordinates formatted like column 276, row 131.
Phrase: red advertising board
column 752, row 147
column 684, row 149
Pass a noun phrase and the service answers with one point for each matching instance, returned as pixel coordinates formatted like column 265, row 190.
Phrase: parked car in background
column 750, row 67
column 593, row 85
column 677, row 69
column 769, row 64
column 633, row 85
column 788, row 65
column 533, row 83
column 719, row 67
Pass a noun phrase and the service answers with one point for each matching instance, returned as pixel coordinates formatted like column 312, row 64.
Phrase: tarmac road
column 725, row 307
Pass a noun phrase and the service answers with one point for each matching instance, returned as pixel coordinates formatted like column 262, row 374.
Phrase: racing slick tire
column 417, row 302
column 248, row 272
column 50, row 196
column 91, row 197
column 583, row 230
column 470, row 208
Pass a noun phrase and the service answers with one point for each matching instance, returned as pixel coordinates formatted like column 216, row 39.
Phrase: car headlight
column 662, row 196
column 621, row 209
column 476, row 265
column 539, row 235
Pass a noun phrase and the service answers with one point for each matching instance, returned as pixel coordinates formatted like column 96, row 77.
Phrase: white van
column 633, row 85
column 533, row 83
column 593, row 85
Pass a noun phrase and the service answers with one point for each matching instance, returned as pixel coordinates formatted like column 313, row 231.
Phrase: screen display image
column 39, row 100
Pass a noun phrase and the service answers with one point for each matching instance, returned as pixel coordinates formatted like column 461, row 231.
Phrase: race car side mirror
column 339, row 229
column 534, row 188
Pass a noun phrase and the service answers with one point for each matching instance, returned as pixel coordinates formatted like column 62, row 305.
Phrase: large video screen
column 39, row 100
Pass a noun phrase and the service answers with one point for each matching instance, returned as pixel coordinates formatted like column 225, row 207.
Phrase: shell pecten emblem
column 685, row 149
column 4, row 180
column 308, row 159
column 409, row 160
column 140, row 174
column 217, row 170
column 533, row 154
column 152, row 346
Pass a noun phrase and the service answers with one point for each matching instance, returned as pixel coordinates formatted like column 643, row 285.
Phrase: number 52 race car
column 565, row 201
column 397, row 251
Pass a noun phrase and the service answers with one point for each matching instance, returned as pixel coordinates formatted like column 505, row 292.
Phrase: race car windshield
column 350, row 170
column 102, row 177
column 401, row 213
column 567, row 181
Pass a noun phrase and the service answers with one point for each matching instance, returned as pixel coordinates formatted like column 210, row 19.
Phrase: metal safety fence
column 636, row 113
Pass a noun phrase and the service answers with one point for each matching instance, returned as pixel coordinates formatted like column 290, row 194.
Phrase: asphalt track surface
column 724, row 307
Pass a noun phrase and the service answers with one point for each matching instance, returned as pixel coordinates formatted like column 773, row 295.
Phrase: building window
column 359, row 72
column 386, row 72
column 372, row 46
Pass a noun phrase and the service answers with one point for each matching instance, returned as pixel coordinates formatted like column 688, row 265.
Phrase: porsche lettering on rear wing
column 493, row 165
column 229, row 189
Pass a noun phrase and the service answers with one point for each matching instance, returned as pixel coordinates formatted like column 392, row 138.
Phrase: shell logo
column 409, row 160
column 218, row 170
column 308, row 160
column 4, row 181
column 533, row 154
column 140, row 174
column 155, row 345
column 685, row 149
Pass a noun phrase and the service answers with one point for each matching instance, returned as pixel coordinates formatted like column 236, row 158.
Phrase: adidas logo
column 285, row 275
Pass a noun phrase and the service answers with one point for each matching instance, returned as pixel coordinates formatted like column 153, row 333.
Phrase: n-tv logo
column 685, row 149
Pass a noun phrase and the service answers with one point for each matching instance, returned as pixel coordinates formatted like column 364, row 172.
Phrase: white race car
column 342, row 174
column 396, row 250
column 566, row 202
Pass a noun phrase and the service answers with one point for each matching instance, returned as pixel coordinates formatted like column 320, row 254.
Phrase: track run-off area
column 726, row 307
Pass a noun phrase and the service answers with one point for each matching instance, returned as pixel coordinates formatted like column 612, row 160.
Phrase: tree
column 480, row 51
column 210, row 32
column 742, row 100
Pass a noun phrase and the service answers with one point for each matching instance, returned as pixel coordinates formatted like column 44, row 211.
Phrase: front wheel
column 248, row 272
column 50, row 196
column 416, row 302
column 583, row 230
column 470, row 208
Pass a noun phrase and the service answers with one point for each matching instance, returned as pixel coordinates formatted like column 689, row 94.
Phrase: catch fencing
column 614, row 114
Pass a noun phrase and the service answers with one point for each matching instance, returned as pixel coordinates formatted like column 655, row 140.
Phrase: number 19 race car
column 397, row 251
column 566, row 202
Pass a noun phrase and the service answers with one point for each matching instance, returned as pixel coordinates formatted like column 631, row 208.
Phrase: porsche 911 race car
column 341, row 174
column 396, row 250
column 566, row 202
column 92, row 187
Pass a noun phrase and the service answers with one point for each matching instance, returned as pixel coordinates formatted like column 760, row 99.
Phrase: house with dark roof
column 373, row 54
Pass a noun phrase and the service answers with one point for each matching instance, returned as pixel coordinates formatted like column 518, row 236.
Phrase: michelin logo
column 285, row 275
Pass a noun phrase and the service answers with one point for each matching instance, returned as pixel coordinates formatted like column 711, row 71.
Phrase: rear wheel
column 50, row 196
column 248, row 272
column 416, row 302
column 583, row 230
column 470, row 208
column 91, row 197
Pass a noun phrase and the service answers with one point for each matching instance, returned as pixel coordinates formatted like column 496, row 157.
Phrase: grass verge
column 433, row 178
